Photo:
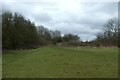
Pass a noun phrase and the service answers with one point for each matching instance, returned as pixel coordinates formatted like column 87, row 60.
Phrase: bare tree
column 110, row 33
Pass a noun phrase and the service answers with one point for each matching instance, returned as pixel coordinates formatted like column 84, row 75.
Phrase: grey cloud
column 43, row 17
column 109, row 7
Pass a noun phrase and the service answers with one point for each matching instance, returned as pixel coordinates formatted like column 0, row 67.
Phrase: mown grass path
column 61, row 62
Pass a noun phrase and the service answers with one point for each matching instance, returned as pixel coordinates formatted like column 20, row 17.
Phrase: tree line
column 21, row 33
column 110, row 34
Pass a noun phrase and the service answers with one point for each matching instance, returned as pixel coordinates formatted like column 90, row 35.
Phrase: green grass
column 61, row 62
column 0, row 64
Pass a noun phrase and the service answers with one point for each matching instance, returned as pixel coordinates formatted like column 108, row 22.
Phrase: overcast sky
column 85, row 19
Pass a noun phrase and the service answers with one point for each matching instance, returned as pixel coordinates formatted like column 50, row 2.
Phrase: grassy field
column 61, row 62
